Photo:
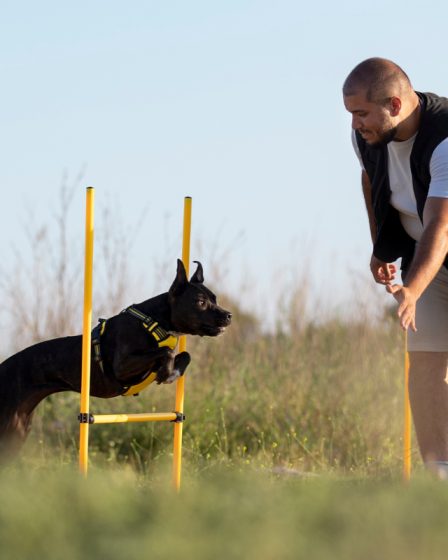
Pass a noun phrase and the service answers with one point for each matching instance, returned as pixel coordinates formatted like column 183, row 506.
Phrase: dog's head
column 193, row 306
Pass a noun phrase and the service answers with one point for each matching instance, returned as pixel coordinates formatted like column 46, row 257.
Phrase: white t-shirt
column 400, row 180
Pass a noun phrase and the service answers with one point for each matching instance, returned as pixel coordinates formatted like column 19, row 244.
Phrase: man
column 401, row 138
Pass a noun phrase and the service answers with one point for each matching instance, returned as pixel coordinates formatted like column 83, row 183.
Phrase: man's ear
column 395, row 106
column 180, row 282
column 198, row 276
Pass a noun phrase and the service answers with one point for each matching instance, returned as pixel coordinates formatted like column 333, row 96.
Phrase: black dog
column 128, row 351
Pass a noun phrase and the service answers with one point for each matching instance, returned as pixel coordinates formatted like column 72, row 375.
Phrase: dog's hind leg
column 13, row 433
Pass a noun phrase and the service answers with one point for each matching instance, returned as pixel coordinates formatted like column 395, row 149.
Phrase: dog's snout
column 227, row 317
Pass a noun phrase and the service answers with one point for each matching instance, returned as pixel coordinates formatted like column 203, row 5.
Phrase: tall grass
column 291, row 448
column 114, row 514
column 302, row 395
column 327, row 398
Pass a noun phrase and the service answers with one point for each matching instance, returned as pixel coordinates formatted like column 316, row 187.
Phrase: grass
column 292, row 449
column 228, row 513
column 292, row 446
column 326, row 398
column 314, row 397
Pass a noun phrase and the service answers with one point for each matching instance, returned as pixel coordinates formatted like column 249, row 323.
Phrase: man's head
column 380, row 97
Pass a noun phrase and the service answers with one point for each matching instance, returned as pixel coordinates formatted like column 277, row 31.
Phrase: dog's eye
column 201, row 303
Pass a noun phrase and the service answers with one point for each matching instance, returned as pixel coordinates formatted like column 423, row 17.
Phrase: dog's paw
column 181, row 362
column 175, row 375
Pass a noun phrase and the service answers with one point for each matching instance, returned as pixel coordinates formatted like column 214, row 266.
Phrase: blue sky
column 234, row 103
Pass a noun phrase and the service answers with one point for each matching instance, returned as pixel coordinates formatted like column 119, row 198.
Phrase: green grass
column 244, row 514
column 326, row 398
column 292, row 449
column 292, row 446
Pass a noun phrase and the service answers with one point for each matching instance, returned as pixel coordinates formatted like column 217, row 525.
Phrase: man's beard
column 385, row 138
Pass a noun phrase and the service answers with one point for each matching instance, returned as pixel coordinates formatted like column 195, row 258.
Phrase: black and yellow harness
column 160, row 335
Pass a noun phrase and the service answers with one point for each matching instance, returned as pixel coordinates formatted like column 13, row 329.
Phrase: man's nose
column 356, row 122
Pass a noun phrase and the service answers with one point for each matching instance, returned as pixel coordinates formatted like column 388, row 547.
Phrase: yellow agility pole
column 86, row 334
column 407, row 416
column 141, row 417
column 85, row 417
column 180, row 384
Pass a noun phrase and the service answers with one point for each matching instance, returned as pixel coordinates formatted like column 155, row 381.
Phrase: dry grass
column 308, row 396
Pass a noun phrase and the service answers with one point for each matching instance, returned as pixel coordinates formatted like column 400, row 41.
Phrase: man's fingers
column 381, row 279
column 388, row 272
column 393, row 288
column 406, row 305
column 385, row 274
column 391, row 270
column 408, row 322
column 406, row 313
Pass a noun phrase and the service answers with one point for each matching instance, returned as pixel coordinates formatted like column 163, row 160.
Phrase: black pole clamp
column 86, row 418
column 179, row 417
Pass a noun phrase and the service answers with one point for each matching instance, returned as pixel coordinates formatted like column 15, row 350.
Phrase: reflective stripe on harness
column 96, row 335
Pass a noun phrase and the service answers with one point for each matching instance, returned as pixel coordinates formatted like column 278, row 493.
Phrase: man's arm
column 429, row 255
column 383, row 273
column 367, row 192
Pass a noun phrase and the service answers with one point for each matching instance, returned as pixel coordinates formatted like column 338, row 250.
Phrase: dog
column 129, row 351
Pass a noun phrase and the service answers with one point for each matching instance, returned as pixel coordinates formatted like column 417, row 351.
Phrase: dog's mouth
column 209, row 330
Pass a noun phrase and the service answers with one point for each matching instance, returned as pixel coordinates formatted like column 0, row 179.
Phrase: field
column 292, row 447
column 227, row 514
column 325, row 398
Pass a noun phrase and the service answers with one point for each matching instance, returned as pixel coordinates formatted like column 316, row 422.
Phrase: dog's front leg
column 128, row 366
column 181, row 362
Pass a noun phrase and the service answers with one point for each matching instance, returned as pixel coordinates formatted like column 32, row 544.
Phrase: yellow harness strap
column 134, row 390
column 162, row 338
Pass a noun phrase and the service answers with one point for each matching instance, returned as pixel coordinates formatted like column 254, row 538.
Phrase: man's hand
column 406, row 309
column 384, row 273
column 430, row 252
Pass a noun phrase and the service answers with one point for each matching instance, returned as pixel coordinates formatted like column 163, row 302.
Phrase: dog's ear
column 181, row 280
column 198, row 276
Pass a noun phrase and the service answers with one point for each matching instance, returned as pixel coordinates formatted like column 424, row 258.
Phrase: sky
column 237, row 104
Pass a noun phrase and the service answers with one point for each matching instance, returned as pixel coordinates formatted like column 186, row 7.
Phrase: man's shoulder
column 434, row 122
column 431, row 97
column 440, row 153
column 434, row 107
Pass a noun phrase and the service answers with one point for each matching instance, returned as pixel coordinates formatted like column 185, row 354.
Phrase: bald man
column 401, row 139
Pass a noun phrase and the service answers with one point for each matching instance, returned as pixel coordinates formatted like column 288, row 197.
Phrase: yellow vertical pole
column 86, row 334
column 180, row 384
column 407, row 417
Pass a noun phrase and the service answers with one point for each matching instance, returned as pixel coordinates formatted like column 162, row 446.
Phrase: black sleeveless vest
column 392, row 242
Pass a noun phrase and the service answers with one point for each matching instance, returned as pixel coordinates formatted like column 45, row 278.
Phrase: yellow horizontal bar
column 144, row 417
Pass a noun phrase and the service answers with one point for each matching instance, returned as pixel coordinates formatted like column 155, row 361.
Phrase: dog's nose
column 229, row 316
